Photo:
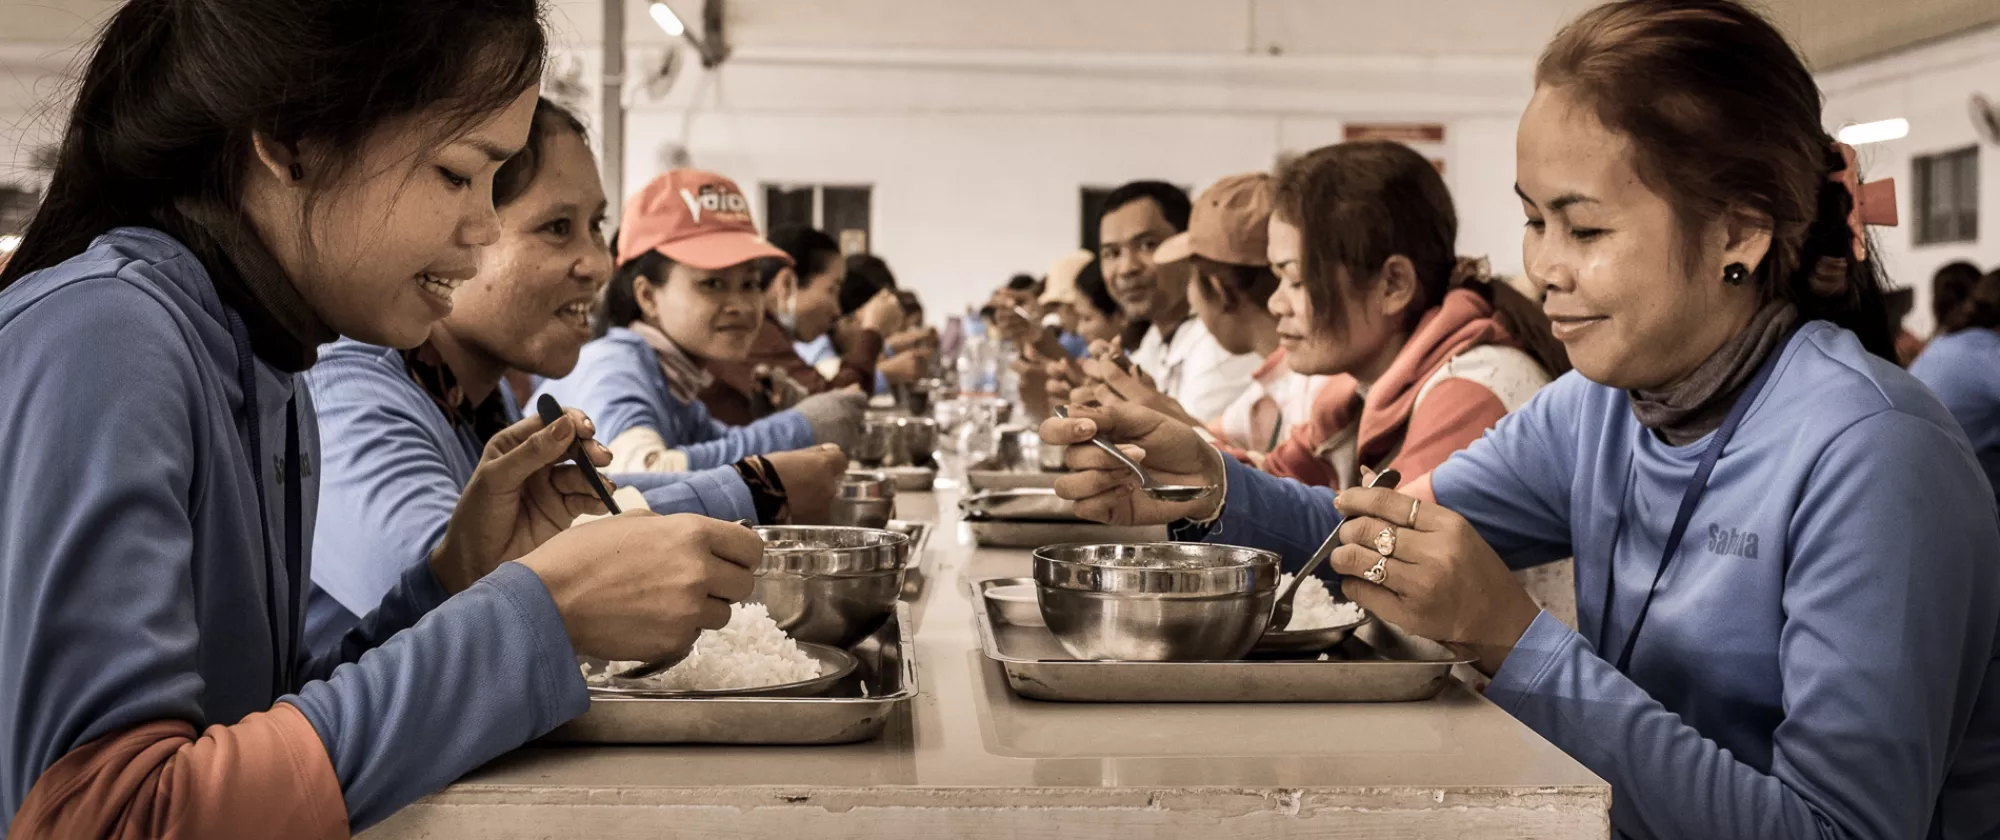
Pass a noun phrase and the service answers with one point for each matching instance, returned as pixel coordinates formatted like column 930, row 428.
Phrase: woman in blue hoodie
column 1786, row 587
column 402, row 429
column 240, row 182
column 1962, row 364
column 687, row 292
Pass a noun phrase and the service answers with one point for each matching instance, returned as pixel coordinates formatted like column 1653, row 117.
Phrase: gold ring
column 1413, row 512
column 1378, row 572
column 1385, row 541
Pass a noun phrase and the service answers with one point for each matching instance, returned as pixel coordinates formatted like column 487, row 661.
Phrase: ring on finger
column 1413, row 511
column 1385, row 541
column 1378, row 572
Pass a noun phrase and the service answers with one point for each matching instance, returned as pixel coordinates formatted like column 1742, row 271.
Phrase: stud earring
column 1735, row 274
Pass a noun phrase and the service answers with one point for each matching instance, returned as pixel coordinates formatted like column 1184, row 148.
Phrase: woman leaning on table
column 1785, row 550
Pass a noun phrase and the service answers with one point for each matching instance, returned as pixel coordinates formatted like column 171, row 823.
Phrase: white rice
column 750, row 652
column 1314, row 606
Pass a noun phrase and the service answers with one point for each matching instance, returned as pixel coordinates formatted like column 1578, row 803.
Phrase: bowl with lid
column 1156, row 602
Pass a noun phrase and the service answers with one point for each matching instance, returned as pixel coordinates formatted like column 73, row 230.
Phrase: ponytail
column 1826, row 281
column 1979, row 309
column 1521, row 317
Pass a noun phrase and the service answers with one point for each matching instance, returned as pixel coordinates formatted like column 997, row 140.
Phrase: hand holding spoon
column 1153, row 488
column 1281, row 613
column 666, row 662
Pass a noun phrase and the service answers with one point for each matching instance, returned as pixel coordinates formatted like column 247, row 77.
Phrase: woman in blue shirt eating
column 687, row 291
column 1787, row 594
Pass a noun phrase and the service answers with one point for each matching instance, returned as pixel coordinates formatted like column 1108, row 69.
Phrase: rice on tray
column 1314, row 607
column 749, row 652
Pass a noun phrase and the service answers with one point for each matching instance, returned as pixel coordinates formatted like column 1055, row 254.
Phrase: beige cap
column 1227, row 225
column 1060, row 287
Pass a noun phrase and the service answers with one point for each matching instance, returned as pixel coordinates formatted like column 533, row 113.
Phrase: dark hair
column 867, row 275
column 1725, row 119
column 1949, row 288
column 1254, row 283
column 1172, row 201
column 1024, row 283
column 1358, row 204
column 519, row 172
column 619, row 306
column 1092, row 288
column 911, row 304
column 176, row 90
column 1979, row 309
column 812, row 252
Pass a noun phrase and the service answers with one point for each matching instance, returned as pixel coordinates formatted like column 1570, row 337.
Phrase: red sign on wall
column 1398, row 132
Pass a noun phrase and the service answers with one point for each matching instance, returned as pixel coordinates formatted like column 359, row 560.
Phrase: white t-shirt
column 1194, row 369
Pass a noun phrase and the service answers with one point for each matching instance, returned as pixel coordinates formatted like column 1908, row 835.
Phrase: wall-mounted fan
column 1985, row 119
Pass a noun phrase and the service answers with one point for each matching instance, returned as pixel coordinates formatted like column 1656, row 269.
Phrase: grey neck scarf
column 1684, row 413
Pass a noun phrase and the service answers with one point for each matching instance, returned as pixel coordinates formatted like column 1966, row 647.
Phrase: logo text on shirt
column 1731, row 541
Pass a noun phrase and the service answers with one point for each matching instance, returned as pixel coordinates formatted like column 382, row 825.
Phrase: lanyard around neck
column 1690, row 498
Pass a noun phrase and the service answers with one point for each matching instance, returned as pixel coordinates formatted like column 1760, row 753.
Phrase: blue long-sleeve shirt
column 1963, row 368
column 132, row 585
column 1820, row 659
column 618, row 382
column 391, row 473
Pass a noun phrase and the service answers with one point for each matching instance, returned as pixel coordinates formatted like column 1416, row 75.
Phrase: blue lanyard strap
column 1690, row 498
column 283, row 641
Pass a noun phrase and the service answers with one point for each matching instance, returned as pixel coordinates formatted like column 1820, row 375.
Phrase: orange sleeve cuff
column 265, row 776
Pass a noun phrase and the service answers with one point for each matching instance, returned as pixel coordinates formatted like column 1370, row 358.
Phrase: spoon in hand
column 1281, row 614
column 551, row 411
column 1153, row 488
column 666, row 662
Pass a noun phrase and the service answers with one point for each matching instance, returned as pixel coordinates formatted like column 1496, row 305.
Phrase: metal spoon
column 1281, row 613
column 667, row 662
column 551, row 411
column 1153, row 488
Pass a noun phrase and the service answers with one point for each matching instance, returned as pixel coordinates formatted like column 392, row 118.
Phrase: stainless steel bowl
column 830, row 585
column 916, row 442
column 878, row 438
column 864, row 499
column 1156, row 602
column 1017, row 602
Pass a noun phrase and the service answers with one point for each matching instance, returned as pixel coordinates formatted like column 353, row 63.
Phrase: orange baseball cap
column 693, row 217
column 1228, row 224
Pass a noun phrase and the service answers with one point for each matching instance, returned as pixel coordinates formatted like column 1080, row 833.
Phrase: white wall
column 1930, row 87
column 977, row 157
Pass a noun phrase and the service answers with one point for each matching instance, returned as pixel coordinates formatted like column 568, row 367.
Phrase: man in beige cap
column 1228, row 290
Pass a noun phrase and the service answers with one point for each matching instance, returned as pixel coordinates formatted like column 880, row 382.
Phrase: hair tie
column 1873, row 203
column 1468, row 269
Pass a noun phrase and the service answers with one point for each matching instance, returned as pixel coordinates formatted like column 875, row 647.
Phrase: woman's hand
column 642, row 586
column 518, row 498
column 882, row 314
column 904, row 368
column 1439, row 580
column 1106, row 491
column 811, row 477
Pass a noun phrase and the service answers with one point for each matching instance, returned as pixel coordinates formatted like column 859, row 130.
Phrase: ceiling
column 1831, row 32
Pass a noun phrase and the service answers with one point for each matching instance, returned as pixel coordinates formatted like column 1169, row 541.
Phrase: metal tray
column 1377, row 664
column 859, row 710
column 981, row 480
column 910, row 479
column 914, row 568
column 1008, row 533
column 1030, row 504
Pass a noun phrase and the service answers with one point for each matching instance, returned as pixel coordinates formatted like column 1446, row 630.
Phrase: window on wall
column 843, row 211
column 1947, row 198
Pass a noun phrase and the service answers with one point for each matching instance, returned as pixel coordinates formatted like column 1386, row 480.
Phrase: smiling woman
column 686, row 291
column 1737, row 466
column 240, row 182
